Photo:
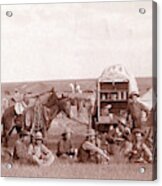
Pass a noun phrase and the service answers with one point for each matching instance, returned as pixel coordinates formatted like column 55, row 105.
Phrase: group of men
column 131, row 135
column 30, row 149
column 133, row 146
column 119, row 142
column 131, row 140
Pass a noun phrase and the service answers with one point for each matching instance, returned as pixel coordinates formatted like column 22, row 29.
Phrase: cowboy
column 20, row 105
column 110, row 139
column 6, row 101
column 122, row 123
column 90, row 149
column 39, row 117
column 141, row 151
column 41, row 155
column 128, row 145
column 122, row 127
column 106, row 111
column 135, row 109
column 20, row 152
column 65, row 147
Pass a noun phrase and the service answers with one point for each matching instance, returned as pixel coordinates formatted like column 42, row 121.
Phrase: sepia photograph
column 78, row 91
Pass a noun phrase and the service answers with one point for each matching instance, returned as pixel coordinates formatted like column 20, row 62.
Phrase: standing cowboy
column 39, row 117
column 6, row 101
column 135, row 109
column 20, row 105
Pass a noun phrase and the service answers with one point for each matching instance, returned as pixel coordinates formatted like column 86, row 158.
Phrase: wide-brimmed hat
column 52, row 90
column 67, row 131
column 134, row 93
column 91, row 132
column 109, row 106
column 24, row 133
column 127, row 131
column 38, row 136
column 16, row 90
column 7, row 92
column 138, row 130
column 122, row 121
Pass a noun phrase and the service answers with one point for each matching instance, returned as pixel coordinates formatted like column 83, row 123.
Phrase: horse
column 10, row 120
column 51, row 109
column 56, row 105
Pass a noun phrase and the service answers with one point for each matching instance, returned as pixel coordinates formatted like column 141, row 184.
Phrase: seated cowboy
column 65, row 147
column 90, row 149
column 122, row 128
column 40, row 154
column 20, row 152
column 127, row 146
column 106, row 112
column 141, row 152
column 110, row 139
column 122, row 123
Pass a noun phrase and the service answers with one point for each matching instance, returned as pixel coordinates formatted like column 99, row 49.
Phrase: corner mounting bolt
column 142, row 11
column 9, row 13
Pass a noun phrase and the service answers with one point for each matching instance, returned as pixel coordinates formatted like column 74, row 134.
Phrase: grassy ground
column 117, row 169
column 77, row 170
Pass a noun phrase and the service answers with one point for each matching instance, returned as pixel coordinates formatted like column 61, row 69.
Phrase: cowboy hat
column 134, row 93
column 127, row 130
column 38, row 136
column 122, row 121
column 138, row 130
column 91, row 132
column 67, row 131
column 7, row 92
column 16, row 90
column 24, row 133
column 109, row 106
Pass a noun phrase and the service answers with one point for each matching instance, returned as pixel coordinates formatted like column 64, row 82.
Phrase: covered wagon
column 113, row 89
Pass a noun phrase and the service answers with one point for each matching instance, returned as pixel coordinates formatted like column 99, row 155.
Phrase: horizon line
column 79, row 79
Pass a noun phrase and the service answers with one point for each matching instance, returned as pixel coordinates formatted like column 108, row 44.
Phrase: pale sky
column 78, row 40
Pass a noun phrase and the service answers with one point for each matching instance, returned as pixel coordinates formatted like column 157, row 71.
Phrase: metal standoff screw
column 9, row 13
column 142, row 170
column 142, row 11
column 9, row 166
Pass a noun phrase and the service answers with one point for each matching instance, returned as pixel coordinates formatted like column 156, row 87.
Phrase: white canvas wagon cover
column 119, row 73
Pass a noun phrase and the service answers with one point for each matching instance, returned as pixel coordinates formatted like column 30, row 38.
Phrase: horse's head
column 52, row 99
column 65, row 106
column 60, row 104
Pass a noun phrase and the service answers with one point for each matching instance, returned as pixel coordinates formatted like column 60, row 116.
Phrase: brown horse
column 47, row 112
column 50, row 110
column 10, row 121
